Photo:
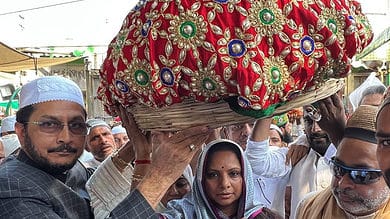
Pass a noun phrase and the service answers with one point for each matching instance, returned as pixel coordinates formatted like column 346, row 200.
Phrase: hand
column 260, row 130
column 333, row 120
column 296, row 153
column 141, row 141
column 169, row 160
column 215, row 134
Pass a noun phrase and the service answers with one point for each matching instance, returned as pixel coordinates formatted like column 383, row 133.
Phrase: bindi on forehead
column 222, row 167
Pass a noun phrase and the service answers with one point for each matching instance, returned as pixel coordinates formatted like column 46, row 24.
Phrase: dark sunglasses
column 357, row 175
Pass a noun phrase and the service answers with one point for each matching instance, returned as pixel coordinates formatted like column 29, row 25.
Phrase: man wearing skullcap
column 46, row 180
column 282, row 121
column 120, row 135
column 358, row 189
column 8, row 125
column 10, row 141
column 100, row 141
column 276, row 136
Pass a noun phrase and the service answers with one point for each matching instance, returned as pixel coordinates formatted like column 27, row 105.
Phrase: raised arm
column 265, row 161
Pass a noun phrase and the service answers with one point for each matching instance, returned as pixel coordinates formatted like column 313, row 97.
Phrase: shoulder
column 17, row 177
column 316, row 198
column 13, row 168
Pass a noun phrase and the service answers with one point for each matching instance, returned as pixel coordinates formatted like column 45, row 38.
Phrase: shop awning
column 383, row 38
column 12, row 60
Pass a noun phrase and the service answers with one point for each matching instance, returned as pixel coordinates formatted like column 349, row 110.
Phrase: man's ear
column 20, row 131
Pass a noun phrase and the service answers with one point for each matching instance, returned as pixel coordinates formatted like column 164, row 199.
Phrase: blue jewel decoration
column 293, row 95
column 145, row 28
column 122, row 86
column 139, row 5
column 307, row 45
column 236, row 48
column 243, row 102
column 167, row 77
column 221, row 1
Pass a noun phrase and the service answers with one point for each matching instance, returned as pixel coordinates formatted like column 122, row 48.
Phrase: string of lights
column 40, row 7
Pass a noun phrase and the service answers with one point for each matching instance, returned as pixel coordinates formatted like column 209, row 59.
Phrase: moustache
column 63, row 148
column 318, row 135
column 348, row 192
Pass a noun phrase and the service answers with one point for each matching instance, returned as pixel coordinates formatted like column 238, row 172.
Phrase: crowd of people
column 57, row 163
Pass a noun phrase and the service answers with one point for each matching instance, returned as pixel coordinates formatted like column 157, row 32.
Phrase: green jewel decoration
column 332, row 25
column 188, row 29
column 275, row 75
column 141, row 77
column 267, row 16
column 208, row 84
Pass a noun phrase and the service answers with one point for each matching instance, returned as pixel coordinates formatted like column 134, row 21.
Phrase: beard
column 319, row 142
column 43, row 163
column 359, row 205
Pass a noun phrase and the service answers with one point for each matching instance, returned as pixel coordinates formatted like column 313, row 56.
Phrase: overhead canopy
column 383, row 38
column 12, row 60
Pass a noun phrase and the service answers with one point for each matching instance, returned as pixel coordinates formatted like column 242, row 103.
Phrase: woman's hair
column 222, row 146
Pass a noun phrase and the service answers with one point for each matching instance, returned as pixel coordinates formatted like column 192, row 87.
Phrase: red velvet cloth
column 263, row 52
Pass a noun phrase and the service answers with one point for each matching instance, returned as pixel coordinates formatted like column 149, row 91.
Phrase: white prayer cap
column 92, row 123
column 276, row 128
column 11, row 144
column 118, row 129
column 8, row 124
column 50, row 88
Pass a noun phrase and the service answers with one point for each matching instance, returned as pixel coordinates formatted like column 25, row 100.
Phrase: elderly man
column 358, row 189
column 239, row 133
column 100, row 141
column 383, row 138
column 120, row 136
column 373, row 95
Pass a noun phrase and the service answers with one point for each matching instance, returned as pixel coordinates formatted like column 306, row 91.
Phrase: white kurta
column 311, row 173
column 108, row 187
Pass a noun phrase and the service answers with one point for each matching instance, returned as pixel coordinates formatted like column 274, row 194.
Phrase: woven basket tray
column 189, row 113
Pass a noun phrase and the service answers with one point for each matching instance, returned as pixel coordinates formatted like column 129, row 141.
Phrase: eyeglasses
column 357, row 175
column 313, row 113
column 55, row 127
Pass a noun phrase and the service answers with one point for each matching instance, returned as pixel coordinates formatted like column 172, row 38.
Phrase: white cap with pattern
column 118, row 129
column 8, row 124
column 50, row 88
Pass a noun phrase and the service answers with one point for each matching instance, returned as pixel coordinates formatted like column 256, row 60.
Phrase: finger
column 123, row 115
column 129, row 122
column 323, row 107
column 336, row 101
column 190, row 133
